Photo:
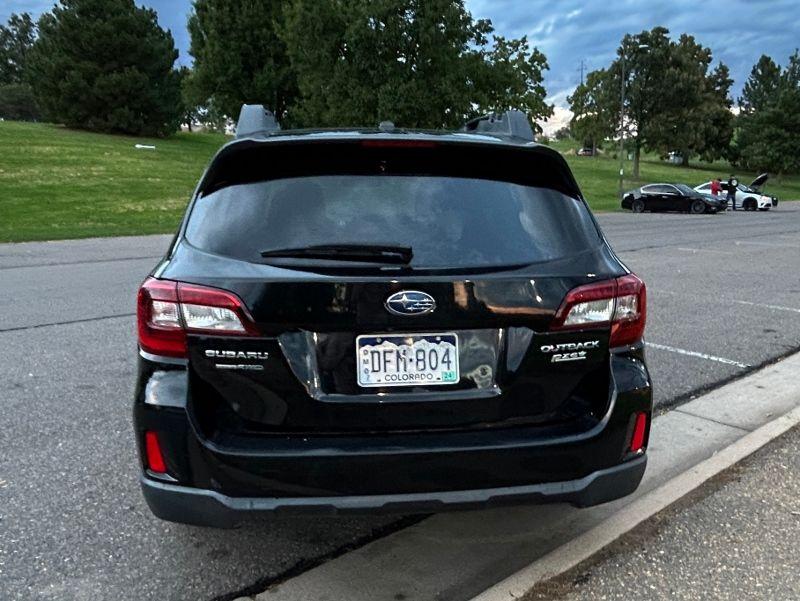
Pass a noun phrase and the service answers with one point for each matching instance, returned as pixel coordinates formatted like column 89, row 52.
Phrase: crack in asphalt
column 668, row 405
column 64, row 323
column 307, row 564
column 86, row 262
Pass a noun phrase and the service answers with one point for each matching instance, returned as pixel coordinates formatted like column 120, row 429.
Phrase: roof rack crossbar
column 510, row 123
column 253, row 119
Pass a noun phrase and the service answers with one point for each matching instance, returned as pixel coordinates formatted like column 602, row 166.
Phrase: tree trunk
column 684, row 158
column 636, row 155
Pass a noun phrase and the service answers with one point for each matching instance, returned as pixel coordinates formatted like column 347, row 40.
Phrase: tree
column 16, row 97
column 190, row 110
column 16, row 40
column 713, row 120
column 761, row 86
column 672, row 102
column 17, row 102
column 239, row 56
column 769, row 122
column 563, row 133
column 106, row 65
column 420, row 63
column 594, row 115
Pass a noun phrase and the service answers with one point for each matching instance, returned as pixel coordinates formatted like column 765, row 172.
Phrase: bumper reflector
column 155, row 460
column 639, row 428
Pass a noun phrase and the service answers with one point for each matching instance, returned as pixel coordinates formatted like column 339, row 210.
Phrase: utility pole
column 582, row 68
column 622, row 122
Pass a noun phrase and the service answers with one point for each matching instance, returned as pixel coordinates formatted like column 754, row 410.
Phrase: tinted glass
column 449, row 222
column 684, row 189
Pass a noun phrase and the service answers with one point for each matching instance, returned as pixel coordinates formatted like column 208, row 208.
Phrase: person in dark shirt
column 733, row 184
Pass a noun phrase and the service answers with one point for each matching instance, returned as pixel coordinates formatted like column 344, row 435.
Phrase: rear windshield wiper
column 367, row 253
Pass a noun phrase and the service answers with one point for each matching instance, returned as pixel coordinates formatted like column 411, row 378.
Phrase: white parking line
column 705, row 250
column 738, row 302
column 769, row 244
column 776, row 307
column 681, row 351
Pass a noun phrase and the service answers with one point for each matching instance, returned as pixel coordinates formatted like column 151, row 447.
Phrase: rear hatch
column 396, row 285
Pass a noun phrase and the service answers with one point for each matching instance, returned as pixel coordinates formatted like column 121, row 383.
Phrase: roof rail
column 510, row 123
column 253, row 119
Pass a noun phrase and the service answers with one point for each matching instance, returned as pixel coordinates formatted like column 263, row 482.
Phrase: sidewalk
column 737, row 537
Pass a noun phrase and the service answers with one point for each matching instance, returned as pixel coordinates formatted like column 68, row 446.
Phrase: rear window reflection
column 449, row 222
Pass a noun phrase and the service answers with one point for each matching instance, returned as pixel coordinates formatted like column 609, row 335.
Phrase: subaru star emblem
column 410, row 302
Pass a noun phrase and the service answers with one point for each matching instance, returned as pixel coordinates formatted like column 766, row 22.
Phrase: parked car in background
column 586, row 151
column 749, row 197
column 671, row 197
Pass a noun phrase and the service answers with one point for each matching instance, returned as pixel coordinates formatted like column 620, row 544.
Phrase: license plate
column 407, row 359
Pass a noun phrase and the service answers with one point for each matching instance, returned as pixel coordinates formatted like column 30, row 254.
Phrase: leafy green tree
column 106, row 65
column 16, row 39
column 672, row 101
column 594, row 112
column 769, row 122
column 239, row 56
column 713, row 119
column 698, row 120
column 190, row 109
column 419, row 63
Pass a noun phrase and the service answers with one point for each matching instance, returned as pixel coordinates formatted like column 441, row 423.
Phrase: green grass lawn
column 58, row 183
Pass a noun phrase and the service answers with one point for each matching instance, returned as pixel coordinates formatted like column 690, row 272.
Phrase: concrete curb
column 587, row 544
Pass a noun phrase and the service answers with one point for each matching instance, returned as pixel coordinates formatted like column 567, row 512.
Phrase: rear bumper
column 209, row 508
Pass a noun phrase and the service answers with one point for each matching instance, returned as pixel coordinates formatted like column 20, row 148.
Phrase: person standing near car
column 733, row 184
column 716, row 187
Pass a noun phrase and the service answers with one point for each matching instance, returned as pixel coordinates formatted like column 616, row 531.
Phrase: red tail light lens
column 155, row 459
column 167, row 310
column 621, row 302
column 158, row 318
column 639, row 429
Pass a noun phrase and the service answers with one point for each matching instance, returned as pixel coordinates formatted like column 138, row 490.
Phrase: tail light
column 620, row 303
column 167, row 310
column 639, row 429
column 152, row 449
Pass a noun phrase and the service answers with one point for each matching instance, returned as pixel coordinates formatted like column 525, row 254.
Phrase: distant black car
column 388, row 320
column 671, row 197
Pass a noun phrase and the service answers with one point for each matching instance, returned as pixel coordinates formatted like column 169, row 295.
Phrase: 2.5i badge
column 569, row 351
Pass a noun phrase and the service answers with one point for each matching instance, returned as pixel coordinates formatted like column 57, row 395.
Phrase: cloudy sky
column 571, row 31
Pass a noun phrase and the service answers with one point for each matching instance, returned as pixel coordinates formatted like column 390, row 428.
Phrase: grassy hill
column 58, row 183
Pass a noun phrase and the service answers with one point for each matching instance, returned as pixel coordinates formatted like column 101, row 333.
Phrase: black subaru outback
column 388, row 320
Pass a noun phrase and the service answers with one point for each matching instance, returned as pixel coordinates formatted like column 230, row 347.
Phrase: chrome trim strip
column 162, row 359
column 161, row 477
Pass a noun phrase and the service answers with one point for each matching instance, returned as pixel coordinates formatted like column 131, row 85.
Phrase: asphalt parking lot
column 724, row 298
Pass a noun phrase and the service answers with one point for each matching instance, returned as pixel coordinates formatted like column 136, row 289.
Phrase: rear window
column 449, row 222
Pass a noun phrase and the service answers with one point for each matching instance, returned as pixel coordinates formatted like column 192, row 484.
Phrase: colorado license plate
column 407, row 359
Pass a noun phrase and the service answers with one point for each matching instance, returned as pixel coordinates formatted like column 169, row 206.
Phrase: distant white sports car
column 749, row 197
